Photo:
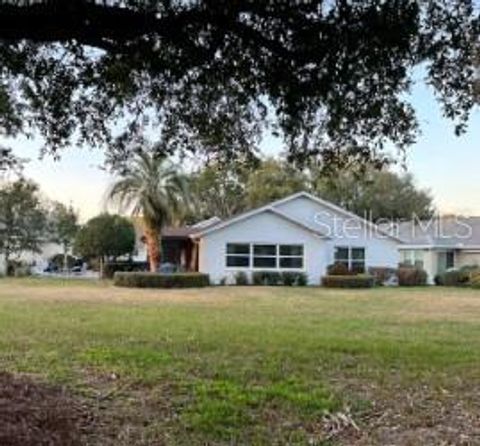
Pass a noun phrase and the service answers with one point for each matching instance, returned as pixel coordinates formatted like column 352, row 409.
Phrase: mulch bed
column 34, row 414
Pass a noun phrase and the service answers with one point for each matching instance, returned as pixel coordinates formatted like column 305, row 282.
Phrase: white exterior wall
column 265, row 227
column 467, row 258
column 380, row 250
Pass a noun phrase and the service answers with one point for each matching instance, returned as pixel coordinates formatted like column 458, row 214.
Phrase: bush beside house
column 411, row 276
column 464, row 276
column 158, row 280
column 349, row 281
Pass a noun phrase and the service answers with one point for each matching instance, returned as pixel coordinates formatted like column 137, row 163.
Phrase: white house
column 440, row 244
column 297, row 233
column 38, row 261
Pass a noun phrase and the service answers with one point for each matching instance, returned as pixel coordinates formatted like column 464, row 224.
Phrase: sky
column 447, row 165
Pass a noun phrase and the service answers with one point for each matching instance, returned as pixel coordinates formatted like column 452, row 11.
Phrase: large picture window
column 352, row 257
column 264, row 256
column 238, row 255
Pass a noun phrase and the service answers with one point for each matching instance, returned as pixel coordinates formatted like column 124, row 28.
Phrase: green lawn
column 246, row 365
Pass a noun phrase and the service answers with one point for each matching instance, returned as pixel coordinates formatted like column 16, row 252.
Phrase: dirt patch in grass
column 411, row 416
column 33, row 414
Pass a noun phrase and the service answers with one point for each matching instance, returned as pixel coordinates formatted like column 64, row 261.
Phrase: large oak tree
column 207, row 76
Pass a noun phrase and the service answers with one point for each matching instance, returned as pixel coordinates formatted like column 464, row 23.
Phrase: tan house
column 440, row 244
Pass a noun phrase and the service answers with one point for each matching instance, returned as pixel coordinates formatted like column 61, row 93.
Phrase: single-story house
column 440, row 244
column 298, row 233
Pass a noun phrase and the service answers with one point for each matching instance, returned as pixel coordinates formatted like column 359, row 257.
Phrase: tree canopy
column 22, row 219
column 105, row 236
column 208, row 77
column 370, row 193
column 376, row 195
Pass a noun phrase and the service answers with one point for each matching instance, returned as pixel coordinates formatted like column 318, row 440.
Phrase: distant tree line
column 376, row 194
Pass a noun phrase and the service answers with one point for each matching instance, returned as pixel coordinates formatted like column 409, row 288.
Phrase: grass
column 249, row 365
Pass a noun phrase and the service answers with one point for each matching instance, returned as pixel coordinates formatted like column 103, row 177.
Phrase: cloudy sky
column 447, row 165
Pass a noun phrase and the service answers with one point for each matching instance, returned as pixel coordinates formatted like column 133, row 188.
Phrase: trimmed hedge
column 411, row 276
column 159, row 280
column 338, row 269
column 110, row 268
column 358, row 281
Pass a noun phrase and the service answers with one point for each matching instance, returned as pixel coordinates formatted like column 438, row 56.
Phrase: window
column 265, row 256
column 450, row 259
column 342, row 255
column 352, row 257
column 358, row 260
column 238, row 255
column 291, row 256
column 413, row 257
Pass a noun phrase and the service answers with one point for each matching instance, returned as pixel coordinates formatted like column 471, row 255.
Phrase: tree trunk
column 100, row 267
column 152, row 238
column 7, row 261
column 65, row 259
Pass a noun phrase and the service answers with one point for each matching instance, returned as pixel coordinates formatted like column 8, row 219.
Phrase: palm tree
column 154, row 189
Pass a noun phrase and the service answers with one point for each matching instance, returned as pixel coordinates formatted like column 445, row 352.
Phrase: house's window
column 413, row 257
column 357, row 262
column 352, row 257
column 265, row 256
column 291, row 256
column 238, row 255
column 450, row 259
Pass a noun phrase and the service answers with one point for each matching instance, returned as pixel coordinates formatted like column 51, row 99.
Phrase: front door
column 446, row 260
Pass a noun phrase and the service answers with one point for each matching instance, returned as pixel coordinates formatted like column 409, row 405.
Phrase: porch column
column 194, row 256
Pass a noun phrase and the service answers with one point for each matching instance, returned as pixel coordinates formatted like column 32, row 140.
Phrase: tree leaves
column 211, row 78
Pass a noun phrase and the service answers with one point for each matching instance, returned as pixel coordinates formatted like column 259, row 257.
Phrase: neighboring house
column 298, row 233
column 38, row 260
column 440, row 244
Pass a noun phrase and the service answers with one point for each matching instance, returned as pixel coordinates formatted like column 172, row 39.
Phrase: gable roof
column 272, row 207
column 246, row 215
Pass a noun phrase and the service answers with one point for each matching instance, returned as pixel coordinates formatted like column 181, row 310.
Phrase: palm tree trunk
column 152, row 238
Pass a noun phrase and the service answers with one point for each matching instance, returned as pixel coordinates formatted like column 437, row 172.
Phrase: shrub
column 110, row 268
column 241, row 278
column 293, row 278
column 17, row 268
column 475, row 279
column 383, row 275
column 338, row 269
column 454, row 278
column 158, row 280
column 348, row 281
column 411, row 276
column 302, row 279
column 266, row 278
